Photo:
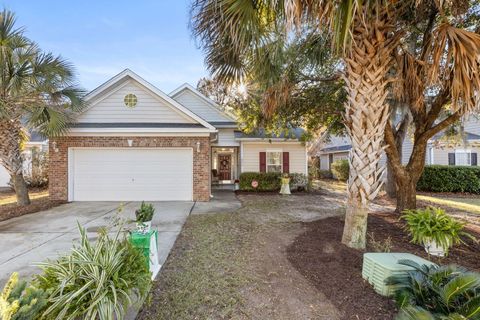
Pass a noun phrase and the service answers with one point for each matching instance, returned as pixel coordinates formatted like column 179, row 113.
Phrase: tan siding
column 250, row 161
column 199, row 106
column 149, row 108
column 226, row 138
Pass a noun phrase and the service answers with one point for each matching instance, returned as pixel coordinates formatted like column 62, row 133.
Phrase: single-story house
column 134, row 142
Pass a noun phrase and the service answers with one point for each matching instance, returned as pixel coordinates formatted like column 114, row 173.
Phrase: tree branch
column 443, row 124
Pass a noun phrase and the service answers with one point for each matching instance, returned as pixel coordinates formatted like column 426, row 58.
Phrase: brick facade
column 58, row 160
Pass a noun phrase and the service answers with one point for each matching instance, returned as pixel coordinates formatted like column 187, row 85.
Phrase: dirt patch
column 335, row 270
column 9, row 211
column 280, row 291
column 319, row 255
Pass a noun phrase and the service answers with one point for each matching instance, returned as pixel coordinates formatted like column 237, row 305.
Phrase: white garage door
column 131, row 174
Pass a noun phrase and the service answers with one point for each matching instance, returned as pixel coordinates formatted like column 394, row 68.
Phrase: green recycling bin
column 147, row 243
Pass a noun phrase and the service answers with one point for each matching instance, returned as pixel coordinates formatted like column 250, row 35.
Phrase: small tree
column 37, row 91
column 438, row 67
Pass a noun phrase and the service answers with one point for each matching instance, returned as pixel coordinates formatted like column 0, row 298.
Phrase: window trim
column 267, row 152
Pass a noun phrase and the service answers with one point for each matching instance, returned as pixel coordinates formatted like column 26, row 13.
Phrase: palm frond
column 455, row 57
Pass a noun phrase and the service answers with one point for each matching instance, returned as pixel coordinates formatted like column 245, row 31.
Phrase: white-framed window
column 463, row 157
column 274, row 160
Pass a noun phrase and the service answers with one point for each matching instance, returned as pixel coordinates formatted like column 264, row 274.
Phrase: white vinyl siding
column 199, row 106
column 226, row 138
column 131, row 174
column 149, row 108
column 440, row 156
column 251, row 157
column 4, row 177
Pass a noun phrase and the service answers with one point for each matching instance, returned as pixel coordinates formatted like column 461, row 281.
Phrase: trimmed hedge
column 267, row 181
column 270, row 181
column 438, row 178
column 341, row 169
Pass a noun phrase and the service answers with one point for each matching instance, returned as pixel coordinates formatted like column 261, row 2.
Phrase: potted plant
column 434, row 229
column 236, row 185
column 144, row 217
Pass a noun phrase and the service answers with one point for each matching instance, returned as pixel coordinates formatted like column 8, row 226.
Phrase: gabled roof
column 230, row 120
column 468, row 136
column 126, row 74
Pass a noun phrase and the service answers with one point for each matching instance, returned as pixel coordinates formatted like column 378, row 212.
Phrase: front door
column 225, row 166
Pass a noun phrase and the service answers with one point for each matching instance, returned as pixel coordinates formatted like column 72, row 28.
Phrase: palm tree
column 37, row 91
column 235, row 36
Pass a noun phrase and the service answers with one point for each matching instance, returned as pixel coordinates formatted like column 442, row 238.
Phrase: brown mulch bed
column 336, row 270
column 13, row 210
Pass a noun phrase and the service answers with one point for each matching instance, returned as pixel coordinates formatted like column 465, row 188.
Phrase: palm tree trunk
column 365, row 117
column 11, row 158
column 21, row 190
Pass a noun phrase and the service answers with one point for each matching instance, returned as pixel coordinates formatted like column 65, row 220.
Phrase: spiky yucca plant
column 437, row 292
column 97, row 280
column 7, row 307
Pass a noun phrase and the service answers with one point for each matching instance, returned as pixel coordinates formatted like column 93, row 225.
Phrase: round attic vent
column 130, row 100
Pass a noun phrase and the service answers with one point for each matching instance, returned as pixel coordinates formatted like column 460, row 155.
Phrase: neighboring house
column 439, row 150
column 134, row 142
column 34, row 141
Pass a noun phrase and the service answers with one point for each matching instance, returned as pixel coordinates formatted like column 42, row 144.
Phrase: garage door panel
column 132, row 174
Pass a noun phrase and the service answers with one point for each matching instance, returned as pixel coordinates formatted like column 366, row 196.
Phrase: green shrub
column 267, row 181
column 97, row 280
column 298, row 181
column 436, row 178
column 145, row 212
column 431, row 223
column 341, row 169
column 271, row 181
column 436, row 292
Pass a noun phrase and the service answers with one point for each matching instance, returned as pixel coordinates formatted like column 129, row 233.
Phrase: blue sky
column 101, row 38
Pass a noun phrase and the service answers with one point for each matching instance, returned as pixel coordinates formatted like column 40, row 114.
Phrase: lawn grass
column 467, row 204
column 10, row 198
column 203, row 277
column 330, row 185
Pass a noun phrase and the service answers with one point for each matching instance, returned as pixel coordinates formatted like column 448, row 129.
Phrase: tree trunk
column 407, row 185
column 407, row 194
column 21, row 189
column 11, row 157
column 391, row 184
column 355, row 228
column 366, row 114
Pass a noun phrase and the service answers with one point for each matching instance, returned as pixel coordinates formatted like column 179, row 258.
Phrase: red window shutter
column 286, row 162
column 263, row 161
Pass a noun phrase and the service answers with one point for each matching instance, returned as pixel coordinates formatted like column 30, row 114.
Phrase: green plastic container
column 142, row 241
column 377, row 267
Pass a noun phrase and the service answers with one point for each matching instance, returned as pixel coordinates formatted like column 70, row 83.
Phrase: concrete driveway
column 44, row 235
